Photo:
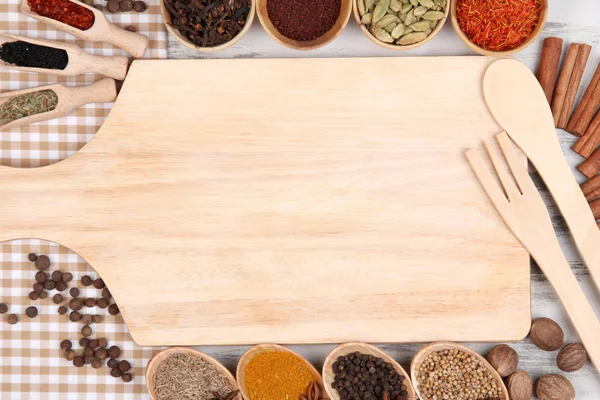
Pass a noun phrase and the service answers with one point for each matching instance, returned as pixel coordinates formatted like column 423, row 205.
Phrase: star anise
column 230, row 396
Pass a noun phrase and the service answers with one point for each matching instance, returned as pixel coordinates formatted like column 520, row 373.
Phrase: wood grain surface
column 227, row 208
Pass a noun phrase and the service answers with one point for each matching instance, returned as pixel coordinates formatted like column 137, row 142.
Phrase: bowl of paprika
column 304, row 24
column 498, row 27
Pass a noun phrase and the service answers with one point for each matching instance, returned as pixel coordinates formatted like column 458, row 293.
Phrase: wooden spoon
column 163, row 355
column 518, row 103
column 102, row 30
column 79, row 61
column 69, row 98
column 425, row 351
column 248, row 355
column 364, row 348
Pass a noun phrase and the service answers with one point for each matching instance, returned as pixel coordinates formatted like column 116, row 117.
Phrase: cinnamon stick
column 560, row 94
column 595, row 206
column 582, row 117
column 591, row 166
column 586, row 145
column 590, row 187
column 548, row 67
column 578, row 69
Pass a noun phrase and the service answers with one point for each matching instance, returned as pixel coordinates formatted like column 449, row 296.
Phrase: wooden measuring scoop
column 102, row 30
column 80, row 62
column 69, row 98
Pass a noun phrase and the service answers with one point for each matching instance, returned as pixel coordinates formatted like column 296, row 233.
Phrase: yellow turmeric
column 276, row 375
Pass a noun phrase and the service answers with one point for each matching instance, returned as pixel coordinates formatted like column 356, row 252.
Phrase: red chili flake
column 498, row 25
column 64, row 11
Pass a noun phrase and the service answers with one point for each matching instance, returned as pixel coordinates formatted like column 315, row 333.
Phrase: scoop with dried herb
column 25, row 105
column 184, row 376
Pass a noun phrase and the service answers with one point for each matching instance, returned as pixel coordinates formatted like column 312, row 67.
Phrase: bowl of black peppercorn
column 359, row 369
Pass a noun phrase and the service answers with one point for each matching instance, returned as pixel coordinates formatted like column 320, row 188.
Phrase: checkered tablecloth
column 31, row 362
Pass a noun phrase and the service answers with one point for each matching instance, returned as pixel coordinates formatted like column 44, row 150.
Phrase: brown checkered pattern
column 31, row 362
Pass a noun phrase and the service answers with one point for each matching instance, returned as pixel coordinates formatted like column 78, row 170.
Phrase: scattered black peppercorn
column 83, row 342
column 106, row 293
column 33, row 295
column 115, row 372
column 88, row 2
column 87, row 319
column 88, row 352
column 102, row 303
column 125, row 5
column 93, row 343
column 101, row 354
column 74, row 292
column 43, row 294
column 3, row 308
column 139, row 6
column 13, row 319
column 57, row 276
column 112, row 363
column 90, row 302
column 61, row 286
column 42, row 263
column 98, row 7
column 88, row 360
column 113, row 309
column 67, row 277
column 124, row 366
column 78, row 361
column 362, row 376
column 86, row 280
column 38, row 287
column 131, row 28
column 76, row 304
column 114, row 352
column 57, row 298
column 49, row 285
column 113, row 6
column 31, row 312
column 97, row 319
column 99, row 283
column 102, row 342
column 96, row 363
column 127, row 378
column 62, row 310
column 32, row 257
column 66, row 345
column 41, row 277
column 86, row 331
column 70, row 355
column 74, row 316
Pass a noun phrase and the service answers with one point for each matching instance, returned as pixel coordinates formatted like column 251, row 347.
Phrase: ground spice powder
column 303, row 20
column 276, row 375
column 25, row 54
column 64, row 11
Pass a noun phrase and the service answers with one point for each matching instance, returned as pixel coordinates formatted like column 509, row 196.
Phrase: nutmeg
column 520, row 386
column 571, row 358
column 547, row 334
column 504, row 359
column 554, row 387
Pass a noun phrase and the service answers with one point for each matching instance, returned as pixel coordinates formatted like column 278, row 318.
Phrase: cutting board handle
column 104, row 91
column 133, row 43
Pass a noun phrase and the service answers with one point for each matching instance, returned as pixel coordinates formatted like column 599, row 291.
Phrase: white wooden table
column 574, row 21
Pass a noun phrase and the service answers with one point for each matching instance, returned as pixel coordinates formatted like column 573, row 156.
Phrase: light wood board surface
column 228, row 208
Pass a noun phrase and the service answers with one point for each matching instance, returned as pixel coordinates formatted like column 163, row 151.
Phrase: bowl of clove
column 208, row 25
column 401, row 24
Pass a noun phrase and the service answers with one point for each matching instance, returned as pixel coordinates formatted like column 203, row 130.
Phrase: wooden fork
column 523, row 210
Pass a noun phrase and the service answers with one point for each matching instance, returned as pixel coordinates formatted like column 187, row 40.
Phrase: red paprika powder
column 64, row 11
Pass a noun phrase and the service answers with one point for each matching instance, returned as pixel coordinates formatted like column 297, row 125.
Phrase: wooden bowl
column 534, row 35
column 363, row 348
column 157, row 359
column 425, row 351
column 184, row 41
column 391, row 46
column 329, row 36
column 248, row 355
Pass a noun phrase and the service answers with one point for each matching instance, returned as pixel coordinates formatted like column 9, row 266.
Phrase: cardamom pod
column 433, row 24
column 388, row 19
column 421, row 26
column 382, row 35
column 396, row 5
column 436, row 8
column 406, row 8
column 437, row 2
column 380, row 10
column 361, row 7
column 407, row 31
column 410, row 18
column 415, row 3
column 427, row 3
column 390, row 27
column 369, row 5
column 402, row 17
column 420, row 10
column 366, row 19
column 391, row 12
column 412, row 38
column 398, row 31
column 433, row 15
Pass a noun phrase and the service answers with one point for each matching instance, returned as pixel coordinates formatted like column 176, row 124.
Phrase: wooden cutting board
column 291, row 201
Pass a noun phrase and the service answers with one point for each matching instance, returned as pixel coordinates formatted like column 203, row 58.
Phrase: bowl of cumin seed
column 208, row 25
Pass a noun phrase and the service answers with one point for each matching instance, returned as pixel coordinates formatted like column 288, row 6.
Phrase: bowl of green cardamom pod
column 401, row 24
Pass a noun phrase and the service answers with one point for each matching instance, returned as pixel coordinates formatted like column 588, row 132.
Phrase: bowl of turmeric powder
column 273, row 372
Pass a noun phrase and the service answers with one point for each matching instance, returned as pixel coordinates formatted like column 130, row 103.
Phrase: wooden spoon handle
column 113, row 67
column 103, row 91
column 134, row 43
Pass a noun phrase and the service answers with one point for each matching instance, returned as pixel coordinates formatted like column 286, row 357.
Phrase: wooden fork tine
column 515, row 164
column 510, row 188
column 486, row 179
